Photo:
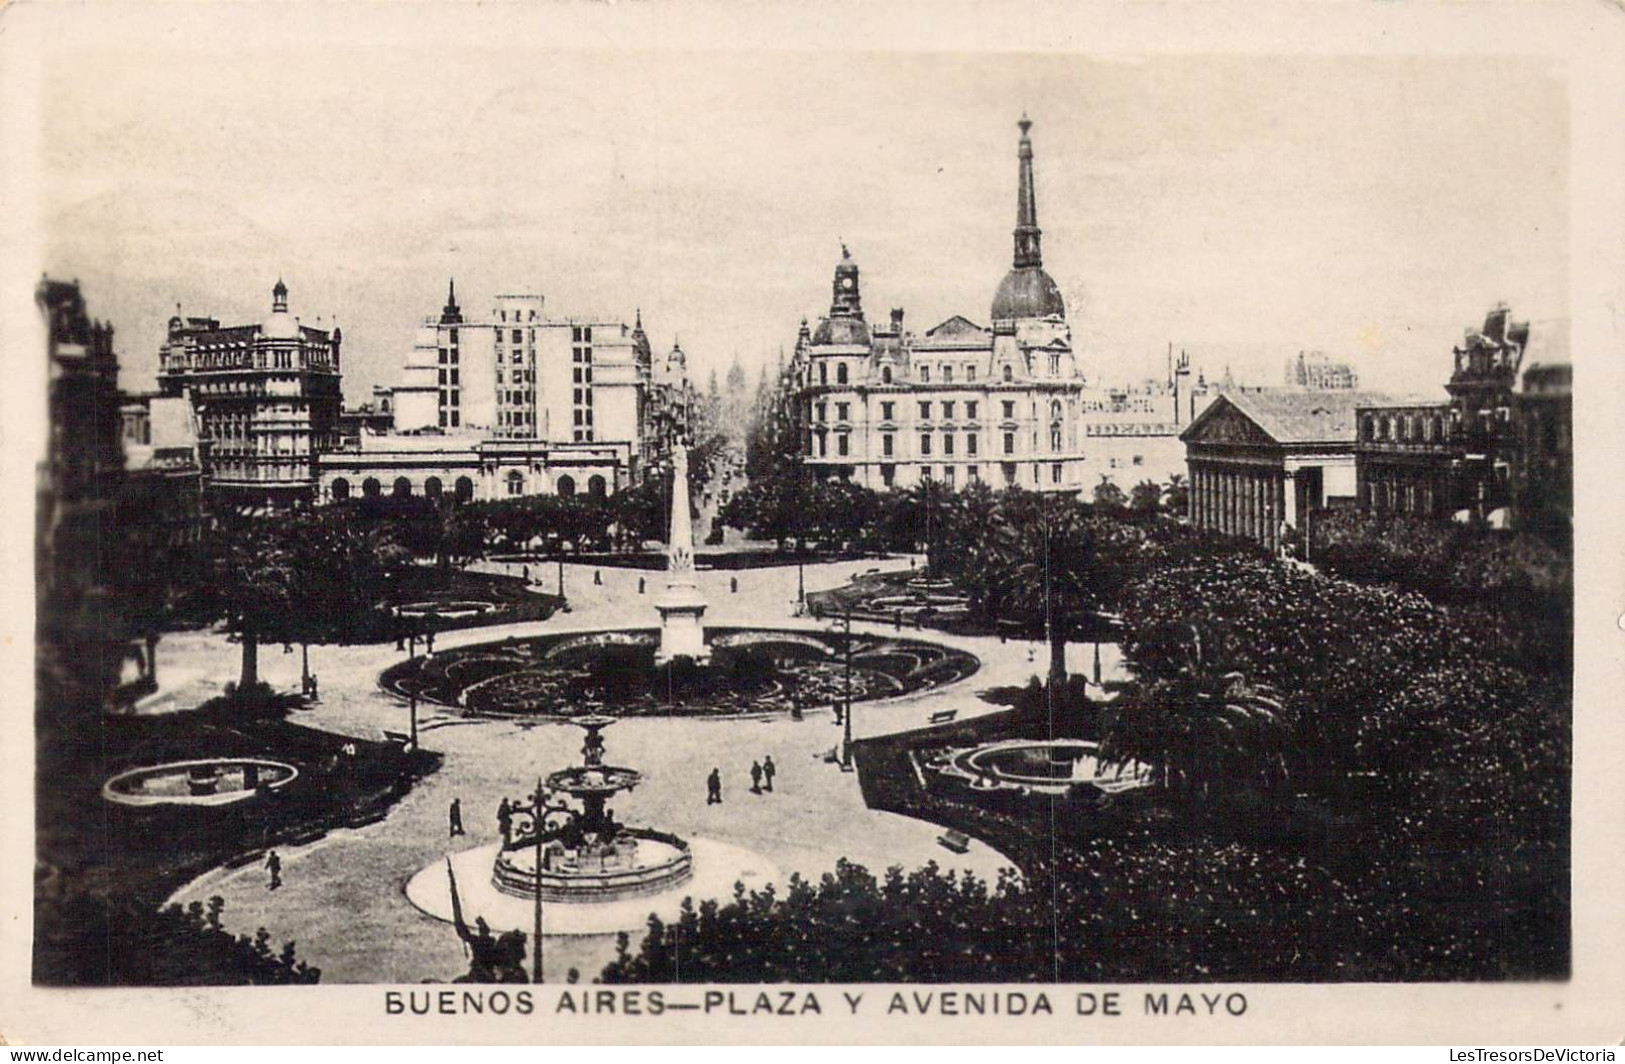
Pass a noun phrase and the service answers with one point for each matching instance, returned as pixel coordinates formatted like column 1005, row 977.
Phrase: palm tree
column 1200, row 728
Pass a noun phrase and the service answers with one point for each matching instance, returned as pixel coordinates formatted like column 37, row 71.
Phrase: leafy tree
column 1146, row 498
column 1108, row 496
column 1177, row 495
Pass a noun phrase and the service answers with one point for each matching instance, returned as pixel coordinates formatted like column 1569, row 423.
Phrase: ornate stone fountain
column 584, row 854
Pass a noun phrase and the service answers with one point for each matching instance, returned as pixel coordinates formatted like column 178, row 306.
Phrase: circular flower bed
column 751, row 671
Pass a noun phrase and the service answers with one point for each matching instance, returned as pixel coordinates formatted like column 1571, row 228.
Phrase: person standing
column 756, row 777
column 713, row 788
column 273, row 864
column 504, row 818
column 769, row 770
column 456, row 817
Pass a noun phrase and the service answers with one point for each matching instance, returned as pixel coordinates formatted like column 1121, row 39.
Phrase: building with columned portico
column 1261, row 461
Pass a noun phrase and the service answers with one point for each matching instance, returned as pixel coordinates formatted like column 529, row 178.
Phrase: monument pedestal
column 682, row 607
column 682, row 632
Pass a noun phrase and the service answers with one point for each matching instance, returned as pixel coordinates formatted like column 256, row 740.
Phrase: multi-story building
column 1543, row 484
column 163, row 463
column 1008, row 403
column 1315, row 371
column 518, row 403
column 1490, row 450
column 266, row 397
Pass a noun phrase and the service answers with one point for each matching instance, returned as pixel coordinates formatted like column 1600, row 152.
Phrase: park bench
column 943, row 716
column 957, row 841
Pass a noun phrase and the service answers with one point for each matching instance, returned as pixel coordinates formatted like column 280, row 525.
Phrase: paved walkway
column 343, row 897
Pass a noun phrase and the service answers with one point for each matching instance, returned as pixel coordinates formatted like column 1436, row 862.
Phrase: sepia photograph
column 737, row 520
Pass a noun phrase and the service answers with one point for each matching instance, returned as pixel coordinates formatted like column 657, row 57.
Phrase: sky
column 1240, row 208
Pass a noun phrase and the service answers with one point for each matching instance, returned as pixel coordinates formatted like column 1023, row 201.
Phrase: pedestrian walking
column 456, row 818
column 769, row 770
column 525, row 571
column 504, row 818
column 713, row 788
column 315, row 692
column 733, row 585
column 756, row 777
column 273, row 864
column 640, row 585
column 598, row 577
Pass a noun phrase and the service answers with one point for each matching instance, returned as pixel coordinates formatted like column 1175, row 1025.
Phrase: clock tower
column 847, row 303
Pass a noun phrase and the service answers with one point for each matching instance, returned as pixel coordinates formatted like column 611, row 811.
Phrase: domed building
column 1006, row 402
column 266, row 399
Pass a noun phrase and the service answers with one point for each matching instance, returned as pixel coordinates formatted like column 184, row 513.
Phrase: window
column 947, row 374
column 972, row 474
column 823, row 411
column 516, row 483
column 1055, row 438
column 1009, row 375
column 948, row 411
column 888, row 474
column 970, row 410
column 885, row 375
column 841, row 411
column 925, row 374
column 454, row 377
column 518, row 337
column 948, row 475
column 886, row 411
column 823, row 445
column 840, row 373
column 442, row 377
column 925, row 443
column 1009, row 443
column 1055, row 473
column 925, row 411
column 841, row 445
column 886, row 444
column 970, row 375
column 823, row 373
column 970, row 443
column 1009, row 410
column 947, row 443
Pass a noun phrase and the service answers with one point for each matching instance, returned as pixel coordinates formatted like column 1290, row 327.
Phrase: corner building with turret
column 1007, row 403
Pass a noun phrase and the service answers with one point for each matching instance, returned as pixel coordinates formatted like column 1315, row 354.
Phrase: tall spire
column 451, row 313
column 279, row 296
column 1027, row 232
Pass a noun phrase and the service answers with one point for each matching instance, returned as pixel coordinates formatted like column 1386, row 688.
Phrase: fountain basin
column 661, row 861
column 204, row 782
column 1040, row 766
column 717, row 867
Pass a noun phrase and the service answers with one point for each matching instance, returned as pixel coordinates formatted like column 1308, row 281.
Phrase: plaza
column 343, row 897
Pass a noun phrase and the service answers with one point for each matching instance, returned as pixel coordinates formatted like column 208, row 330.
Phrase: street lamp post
column 801, row 581
column 536, row 953
column 561, row 578
column 412, row 702
column 846, row 717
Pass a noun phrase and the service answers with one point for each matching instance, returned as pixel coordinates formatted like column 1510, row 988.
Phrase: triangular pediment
column 956, row 327
column 1225, row 423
